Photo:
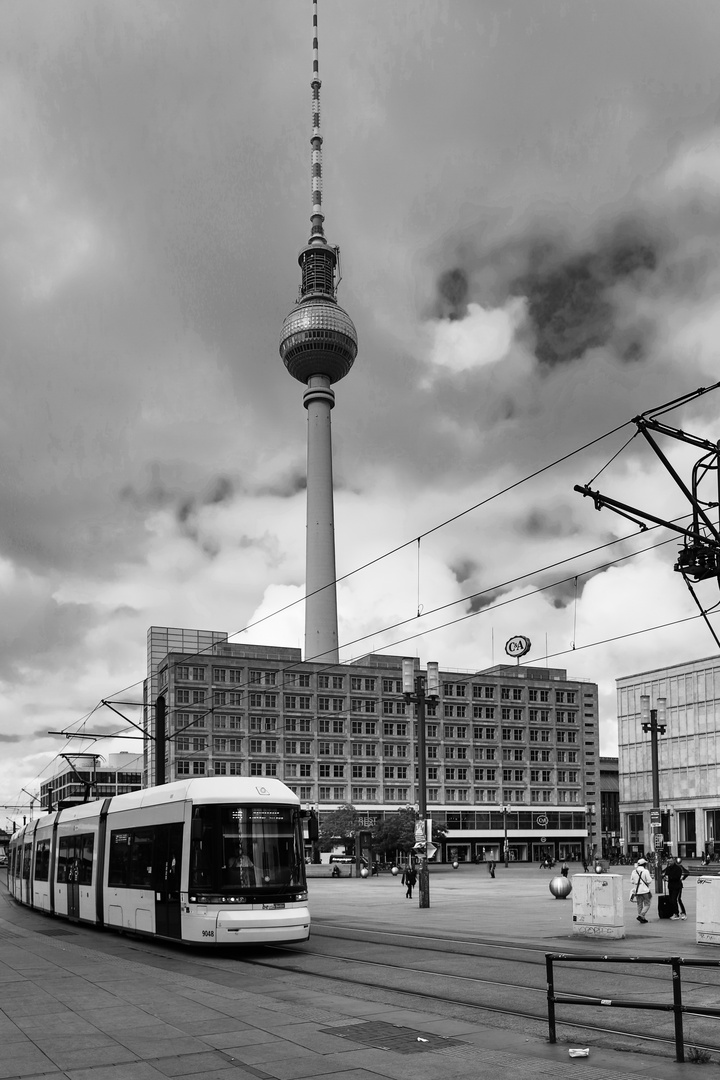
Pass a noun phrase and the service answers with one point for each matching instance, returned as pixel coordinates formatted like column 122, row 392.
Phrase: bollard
column 560, row 887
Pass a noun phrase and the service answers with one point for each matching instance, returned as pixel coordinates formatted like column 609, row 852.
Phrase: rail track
column 498, row 983
column 511, row 989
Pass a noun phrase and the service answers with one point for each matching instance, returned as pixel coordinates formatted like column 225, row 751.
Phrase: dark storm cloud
column 463, row 570
column 452, row 294
column 482, row 600
column 571, row 303
column 286, row 486
column 570, row 286
column 565, row 593
column 544, row 523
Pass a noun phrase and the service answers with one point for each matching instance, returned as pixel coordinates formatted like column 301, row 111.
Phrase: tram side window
column 42, row 860
column 66, row 849
column 85, row 854
column 130, row 865
column 27, row 851
column 75, row 854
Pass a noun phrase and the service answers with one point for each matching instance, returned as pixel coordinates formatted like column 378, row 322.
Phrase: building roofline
column 669, row 667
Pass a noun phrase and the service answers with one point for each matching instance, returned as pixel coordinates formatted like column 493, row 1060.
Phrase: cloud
column 541, row 265
column 482, row 336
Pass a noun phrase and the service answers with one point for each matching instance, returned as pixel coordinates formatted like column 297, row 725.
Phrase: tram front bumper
column 258, row 925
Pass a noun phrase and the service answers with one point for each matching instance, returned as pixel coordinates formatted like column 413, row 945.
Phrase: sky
column 526, row 196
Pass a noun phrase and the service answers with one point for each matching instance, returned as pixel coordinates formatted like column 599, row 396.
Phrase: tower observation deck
column 318, row 345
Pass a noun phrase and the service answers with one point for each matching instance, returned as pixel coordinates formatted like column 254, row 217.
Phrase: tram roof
column 203, row 789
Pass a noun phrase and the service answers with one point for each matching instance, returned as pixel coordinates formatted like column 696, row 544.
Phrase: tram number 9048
column 208, row 933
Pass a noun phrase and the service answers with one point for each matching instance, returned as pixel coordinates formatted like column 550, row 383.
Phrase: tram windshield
column 245, row 848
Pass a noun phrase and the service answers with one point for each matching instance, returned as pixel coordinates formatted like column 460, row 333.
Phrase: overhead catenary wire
column 483, row 502
column 401, row 547
column 201, row 713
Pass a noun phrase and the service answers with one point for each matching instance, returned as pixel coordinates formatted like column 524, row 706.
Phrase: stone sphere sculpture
column 394, row 871
column 364, row 872
column 560, row 887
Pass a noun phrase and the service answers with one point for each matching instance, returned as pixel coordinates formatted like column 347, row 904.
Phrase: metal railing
column 676, row 1006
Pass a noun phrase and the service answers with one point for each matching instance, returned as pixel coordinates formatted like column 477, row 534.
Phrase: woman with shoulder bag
column 641, row 885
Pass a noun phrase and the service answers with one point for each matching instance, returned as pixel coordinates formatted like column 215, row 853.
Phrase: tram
column 205, row 861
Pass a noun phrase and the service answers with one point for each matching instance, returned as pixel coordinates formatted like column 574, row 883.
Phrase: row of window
column 304, row 703
column 299, row 747
column 451, row 775
column 402, row 794
column 304, row 725
column 368, row 684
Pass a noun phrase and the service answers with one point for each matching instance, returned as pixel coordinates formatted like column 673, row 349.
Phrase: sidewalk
column 89, row 1005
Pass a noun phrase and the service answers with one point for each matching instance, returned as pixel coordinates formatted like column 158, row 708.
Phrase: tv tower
column 318, row 345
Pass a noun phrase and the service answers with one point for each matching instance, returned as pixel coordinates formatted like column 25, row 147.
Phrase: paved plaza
column 89, row 1005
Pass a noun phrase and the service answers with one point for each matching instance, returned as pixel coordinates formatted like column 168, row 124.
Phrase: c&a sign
column 518, row 646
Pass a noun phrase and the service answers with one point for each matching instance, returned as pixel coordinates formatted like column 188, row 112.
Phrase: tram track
column 613, row 1036
column 483, row 949
column 450, row 993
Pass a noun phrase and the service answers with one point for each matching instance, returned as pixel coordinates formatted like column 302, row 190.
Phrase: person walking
column 491, row 868
column 408, row 880
column 675, row 873
column 641, row 885
column 564, row 869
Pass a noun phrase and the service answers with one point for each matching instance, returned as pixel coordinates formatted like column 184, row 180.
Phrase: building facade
column 688, row 759
column 610, row 830
column 88, row 776
column 510, row 750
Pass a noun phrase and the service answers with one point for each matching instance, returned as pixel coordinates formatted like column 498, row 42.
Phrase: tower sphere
column 318, row 338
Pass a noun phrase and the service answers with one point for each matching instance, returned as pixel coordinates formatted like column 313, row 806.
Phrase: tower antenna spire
column 318, row 345
column 317, row 217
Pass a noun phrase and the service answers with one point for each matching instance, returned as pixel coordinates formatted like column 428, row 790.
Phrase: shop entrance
column 544, row 851
column 458, row 853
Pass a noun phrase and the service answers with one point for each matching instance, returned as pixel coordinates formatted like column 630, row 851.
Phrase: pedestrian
column 408, row 880
column 564, row 869
column 641, row 885
column 675, row 873
column 491, row 868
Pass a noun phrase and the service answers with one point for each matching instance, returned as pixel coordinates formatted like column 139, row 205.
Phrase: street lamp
column 416, row 689
column 506, row 852
column 653, row 720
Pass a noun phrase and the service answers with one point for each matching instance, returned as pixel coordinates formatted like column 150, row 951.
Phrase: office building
column 688, row 758
column 509, row 748
column 83, row 777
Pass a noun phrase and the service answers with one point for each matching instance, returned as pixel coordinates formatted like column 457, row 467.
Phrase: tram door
column 167, row 858
column 75, row 865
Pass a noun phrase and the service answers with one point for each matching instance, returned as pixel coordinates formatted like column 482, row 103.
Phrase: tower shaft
column 321, row 626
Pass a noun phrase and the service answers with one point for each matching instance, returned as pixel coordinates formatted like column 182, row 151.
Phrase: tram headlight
column 300, row 896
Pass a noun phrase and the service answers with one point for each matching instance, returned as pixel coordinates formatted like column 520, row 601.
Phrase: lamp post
column 506, row 852
column 417, row 689
column 653, row 721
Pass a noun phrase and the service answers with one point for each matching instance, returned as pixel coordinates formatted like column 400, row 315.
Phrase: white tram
column 205, row 861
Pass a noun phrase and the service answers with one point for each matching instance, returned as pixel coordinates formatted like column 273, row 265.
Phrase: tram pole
column 650, row 724
column 417, row 689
